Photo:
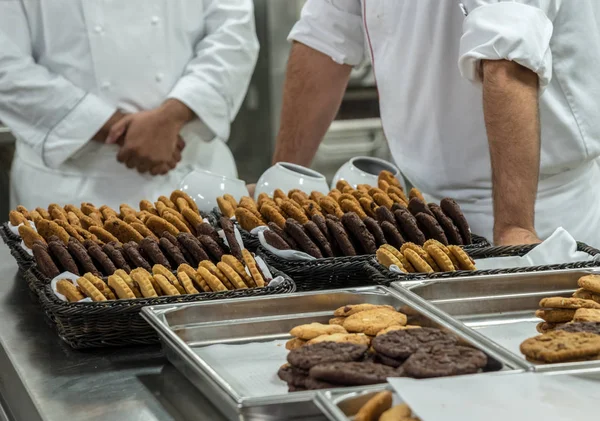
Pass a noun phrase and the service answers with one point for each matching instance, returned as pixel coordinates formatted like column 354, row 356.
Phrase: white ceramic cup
column 364, row 170
column 286, row 176
column 205, row 186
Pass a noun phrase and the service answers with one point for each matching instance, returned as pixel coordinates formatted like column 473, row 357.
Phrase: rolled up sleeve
column 508, row 30
column 334, row 28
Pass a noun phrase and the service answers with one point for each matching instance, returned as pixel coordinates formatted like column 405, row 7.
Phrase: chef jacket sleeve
column 44, row 110
column 215, row 81
column 515, row 30
column 334, row 28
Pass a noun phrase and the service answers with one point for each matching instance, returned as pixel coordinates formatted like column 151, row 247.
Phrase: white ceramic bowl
column 204, row 187
column 364, row 170
column 286, row 176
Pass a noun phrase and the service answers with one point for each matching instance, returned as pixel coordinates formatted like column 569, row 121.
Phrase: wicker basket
column 118, row 323
column 7, row 235
column 490, row 252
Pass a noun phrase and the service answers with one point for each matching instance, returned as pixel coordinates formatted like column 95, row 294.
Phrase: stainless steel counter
column 43, row 379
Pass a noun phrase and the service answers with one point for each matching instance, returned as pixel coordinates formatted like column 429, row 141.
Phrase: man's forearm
column 510, row 103
column 313, row 91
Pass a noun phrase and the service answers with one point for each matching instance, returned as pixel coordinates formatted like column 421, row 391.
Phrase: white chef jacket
column 431, row 109
column 67, row 65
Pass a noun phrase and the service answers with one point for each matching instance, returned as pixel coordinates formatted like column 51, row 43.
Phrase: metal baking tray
column 342, row 405
column 499, row 309
column 231, row 349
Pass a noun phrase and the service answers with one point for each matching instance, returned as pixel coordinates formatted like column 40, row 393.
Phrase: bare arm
column 313, row 90
column 510, row 104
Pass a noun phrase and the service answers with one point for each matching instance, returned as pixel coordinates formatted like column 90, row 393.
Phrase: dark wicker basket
column 251, row 242
column 490, row 252
column 118, row 323
column 7, row 235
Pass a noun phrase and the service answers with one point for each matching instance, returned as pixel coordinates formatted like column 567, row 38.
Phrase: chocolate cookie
column 61, row 255
column 400, row 344
column 341, row 238
column 280, row 232
column 452, row 210
column 211, row 247
column 417, row 206
column 375, row 231
column 392, row 235
column 82, row 257
column 193, row 247
column 292, row 376
column 392, row 362
column 44, row 262
column 353, row 373
column 152, row 250
column 172, row 251
column 332, row 218
column 443, row 360
column 408, row 227
column 590, row 327
column 321, row 222
column 318, row 238
column 133, row 254
column 355, row 226
column 115, row 254
column 384, row 214
column 182, row 250
column 430, row 226
column 207, row 229
column 309, row 356
column 315, row 384
column 295, row 230
column 228, row 229
column 447, row 225
column 100, row 259
column 275, row 240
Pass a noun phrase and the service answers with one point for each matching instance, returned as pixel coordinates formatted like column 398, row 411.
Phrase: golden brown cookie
column 213, row 269
column 100, row 285
column 397, row 327
column 293, row 211
column 232, row 275
column 122, row 231
column 271, row 214
column 545, row 327
column 73, row 219
column 166, row 287
column 377, row 405
column 89, row 290
column 383, row 200
column 148, row 206
column 35, row 216
column 312, row 330
column 559, row 346
column 211, row 280
column 351, row 309
column 162, row 270
column 438, row 244
column 130, row 218
column 66, row 288
column 463, row 259
column 176, row 222
column 158, row 225
column 312, row 208
column 86, row 235
column 17, row 218
column 143, row 230
column 334, row 194
column 586, row 295
column 562, row 302
column 587, row 315
column 387, row 259
column 186, row 282
column 49, row 228
column 556, row 315
column 178, row 194
column 441, row 259
column 383, row 185
column 415, row 192
column 398, row 254
column 337, row 321
column 89, row 208
column 194, row 277
column 316, row 196
column 368, row 206
column 225, row 207
column 120, row 287
column 103, row 235
column 294, row 343
column 331, row 207
column 144, row 281
column 353, row 338
column 420, row 265
column 181, row 204
column 389, row 178
column 130, row 283
column 23, row 211
column 279, row 194
column 397, row 413
column 70, row 229
column 590, row 283
column 252, row 266
column 87, row 222
column 192, row 217
column 353, row 206
column 29, row 235
column 238, row 267
column 372, row 321
column 247, row 219
column 57, row 212
column 168, row 202
column 44, row 213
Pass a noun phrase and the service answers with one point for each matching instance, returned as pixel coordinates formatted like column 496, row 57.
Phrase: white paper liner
column 284, row 254
column 72, row 277
column 559, row 248
column 237, row 234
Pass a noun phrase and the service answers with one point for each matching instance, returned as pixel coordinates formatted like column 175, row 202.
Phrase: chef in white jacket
column 161, row 74
column 518, row 116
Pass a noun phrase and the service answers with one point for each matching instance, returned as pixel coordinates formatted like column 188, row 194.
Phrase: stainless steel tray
column 215, row 343
column 500, row 309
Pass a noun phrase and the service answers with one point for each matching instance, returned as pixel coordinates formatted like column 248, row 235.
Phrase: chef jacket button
column 159, row 77
column 98, row 29
column 155, row 20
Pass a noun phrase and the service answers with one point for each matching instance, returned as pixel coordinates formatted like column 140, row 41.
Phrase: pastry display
column 433, row 256
column 364, row 344
column 570, row 327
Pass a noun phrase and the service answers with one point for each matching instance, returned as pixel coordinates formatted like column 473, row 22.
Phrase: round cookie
column 392, row 235
column 309, row 356
column 115, row 254
column 193, row 246
column 275, row 240
column 82, row 257
column 375, row 231
column 100, row 258
column 560, row 346
column 315, row 384
column 408, row 227
column 321, row 222
column 44, row 262
column 294, row 343
column 292, row 375
column 370, row 322
column 572, row 303
column 447, row 225
column 452, row 210
column 310, row 331
column 319, row 239
column 61, row 255
column 152, row 250
column 353, row 373
column 296, row 231
column 131, row 251
column 275, row 228
column 353, row 338
column 172, row 251
column 417, row 206
column 341, row 237
column 206, row 229
column 384, row 214
column 590, row 327
column 211, row 247
column 401, row 344
column 359, row 231
column 351, row 309
column 443, row 360
column 229, row 230
column 561, row 315
column 430, row 226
